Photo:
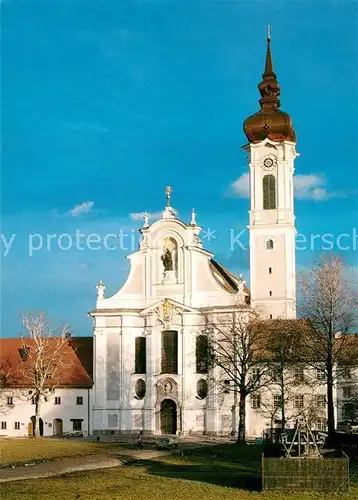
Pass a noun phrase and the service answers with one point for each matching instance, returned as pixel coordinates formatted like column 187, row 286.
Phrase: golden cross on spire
column 168, row 193
column 268, row 32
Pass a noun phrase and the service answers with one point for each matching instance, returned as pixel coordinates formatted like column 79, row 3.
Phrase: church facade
column 148, row 375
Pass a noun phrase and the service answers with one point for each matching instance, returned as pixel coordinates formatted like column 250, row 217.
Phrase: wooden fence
column 304, row 474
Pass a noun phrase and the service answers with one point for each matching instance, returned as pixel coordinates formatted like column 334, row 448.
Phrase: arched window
column 140, row 355
column 269, row 192
column 170, row 352
column 269, row 245
column 202, row 389
column 201, row 354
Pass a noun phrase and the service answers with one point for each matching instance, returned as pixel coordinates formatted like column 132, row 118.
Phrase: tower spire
column 268, row 64
column 269, row 122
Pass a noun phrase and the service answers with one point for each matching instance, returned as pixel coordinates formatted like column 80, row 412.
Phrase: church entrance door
column 168, row 417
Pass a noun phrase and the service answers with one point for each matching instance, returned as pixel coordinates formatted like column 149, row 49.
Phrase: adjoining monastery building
column 146, row 371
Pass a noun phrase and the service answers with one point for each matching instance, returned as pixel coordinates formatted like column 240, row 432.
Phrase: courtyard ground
column 223, row 471
column 29, row 450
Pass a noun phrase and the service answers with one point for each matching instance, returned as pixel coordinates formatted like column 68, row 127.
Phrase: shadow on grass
column 224, row 465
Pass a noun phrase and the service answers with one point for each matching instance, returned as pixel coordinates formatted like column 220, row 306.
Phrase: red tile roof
column 77, row 354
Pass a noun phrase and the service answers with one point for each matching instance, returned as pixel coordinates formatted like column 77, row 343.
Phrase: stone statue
column 241, row 291
column 167, row 260
column 100, row 290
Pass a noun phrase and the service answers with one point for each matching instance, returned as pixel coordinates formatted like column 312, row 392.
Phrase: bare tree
column 235, row 347
column 43, row 353
column 328, row 299
column 7, row 382
column 281, row 347
column 299, row 401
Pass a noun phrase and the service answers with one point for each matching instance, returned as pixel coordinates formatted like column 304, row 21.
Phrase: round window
column 202, row 389
column 140, row 389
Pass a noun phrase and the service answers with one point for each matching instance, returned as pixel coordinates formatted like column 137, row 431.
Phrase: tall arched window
column 269, row 192
column 202, row 354
column 170, row 351
column 140, row 355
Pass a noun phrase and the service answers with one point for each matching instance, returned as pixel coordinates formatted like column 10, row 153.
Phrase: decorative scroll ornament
column 100, row 290
column 165, row 312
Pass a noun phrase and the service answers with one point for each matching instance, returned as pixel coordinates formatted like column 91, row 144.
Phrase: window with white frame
column 57, row 400
column 255, row 401
column 347, row 391
column 320, row 400
column 347, row 373
column 256, row 373
column 17, row 426
column 3, row 426
column 349, row 411
column 320, row 374
column 299, row 400
column 10, row 400
column 299, row 374
column 79, row 400
column 277, row 400
column 269, row 245
column 226, row 387
column 321, row 424
column 76, row 424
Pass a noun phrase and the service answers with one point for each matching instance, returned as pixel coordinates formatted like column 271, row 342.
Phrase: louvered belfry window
column 140, row 355
column 170, row 351
column 201, row 354
column 269, row 192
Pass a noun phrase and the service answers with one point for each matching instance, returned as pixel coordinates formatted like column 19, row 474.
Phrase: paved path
column 90, row 462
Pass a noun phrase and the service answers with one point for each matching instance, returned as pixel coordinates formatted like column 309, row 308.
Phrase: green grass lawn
column 212, row 473
column 17, row 451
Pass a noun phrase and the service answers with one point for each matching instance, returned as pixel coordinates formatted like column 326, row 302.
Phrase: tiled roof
column 77, row 356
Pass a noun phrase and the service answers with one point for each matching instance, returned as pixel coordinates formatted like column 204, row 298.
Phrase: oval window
column 202, row 389
column 140, row 389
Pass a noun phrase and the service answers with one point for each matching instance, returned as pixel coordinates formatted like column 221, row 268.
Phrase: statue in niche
column 167, row 260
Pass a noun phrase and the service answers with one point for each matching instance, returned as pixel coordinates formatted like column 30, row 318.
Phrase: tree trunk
column 283, row 414
column 37, row 417
column 241, row 435
column 330, row 403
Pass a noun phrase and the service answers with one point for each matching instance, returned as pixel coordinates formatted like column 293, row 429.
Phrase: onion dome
column 269, row 122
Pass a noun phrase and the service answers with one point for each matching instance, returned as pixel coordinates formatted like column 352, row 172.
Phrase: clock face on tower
column 269, row 163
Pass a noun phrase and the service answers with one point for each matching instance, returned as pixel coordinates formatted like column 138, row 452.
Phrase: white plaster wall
column 276, row 224
column 22, row 410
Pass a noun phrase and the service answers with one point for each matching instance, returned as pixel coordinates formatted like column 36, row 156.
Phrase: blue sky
column 105, row 103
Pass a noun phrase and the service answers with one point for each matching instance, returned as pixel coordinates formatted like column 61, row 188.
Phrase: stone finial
column 100, row 290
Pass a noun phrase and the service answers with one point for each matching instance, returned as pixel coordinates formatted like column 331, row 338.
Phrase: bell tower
column 271, row 154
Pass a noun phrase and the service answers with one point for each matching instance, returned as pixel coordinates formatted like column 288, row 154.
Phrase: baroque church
column 148, row 375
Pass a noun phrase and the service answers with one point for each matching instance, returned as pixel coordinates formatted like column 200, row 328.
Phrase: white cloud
column 311, row 187
column 306, row 187
column 82, row 208
column 140, row 215
column 241, row 187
